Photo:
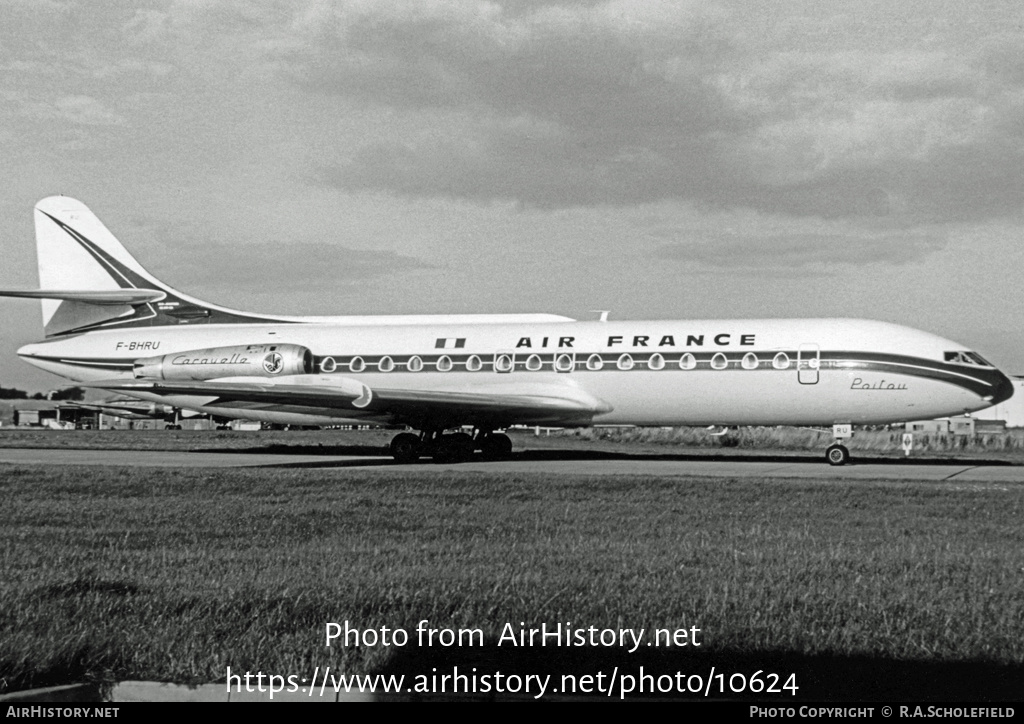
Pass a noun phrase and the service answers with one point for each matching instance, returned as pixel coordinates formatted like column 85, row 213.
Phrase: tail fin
column 76, row 252
column 88, row 280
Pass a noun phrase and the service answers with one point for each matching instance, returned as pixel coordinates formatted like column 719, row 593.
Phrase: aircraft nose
column 1002, row 387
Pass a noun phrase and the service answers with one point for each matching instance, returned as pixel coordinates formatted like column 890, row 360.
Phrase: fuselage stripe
column 584, row 362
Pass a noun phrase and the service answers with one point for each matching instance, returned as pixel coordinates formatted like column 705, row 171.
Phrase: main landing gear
column 456, row 447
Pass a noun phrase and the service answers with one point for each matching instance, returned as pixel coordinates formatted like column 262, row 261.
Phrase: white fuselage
column 689, row 372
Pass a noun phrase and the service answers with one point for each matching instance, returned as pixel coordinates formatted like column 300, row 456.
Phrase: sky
column 660, row 160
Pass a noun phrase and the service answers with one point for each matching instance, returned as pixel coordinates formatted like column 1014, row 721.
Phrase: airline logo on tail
column 89, row 280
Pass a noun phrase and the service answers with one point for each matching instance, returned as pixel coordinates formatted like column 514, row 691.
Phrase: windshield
column 963, row 357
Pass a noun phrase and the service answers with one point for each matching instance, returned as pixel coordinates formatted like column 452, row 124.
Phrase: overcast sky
column 656, row 159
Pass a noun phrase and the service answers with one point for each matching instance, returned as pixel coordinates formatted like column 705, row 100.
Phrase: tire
column 405, row 448
column 455, row 448
column 496, row 446
column 837, row 455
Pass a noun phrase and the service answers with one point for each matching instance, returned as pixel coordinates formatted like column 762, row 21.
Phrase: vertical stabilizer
column 88, row 280
column 75, row 251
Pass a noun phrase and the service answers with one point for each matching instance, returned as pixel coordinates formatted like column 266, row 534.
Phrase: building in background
column 991, row 421
column 1011, row 411
column 50, row 414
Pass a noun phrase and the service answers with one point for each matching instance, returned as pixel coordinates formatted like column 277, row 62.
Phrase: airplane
column 131, row 409
column 109, row 324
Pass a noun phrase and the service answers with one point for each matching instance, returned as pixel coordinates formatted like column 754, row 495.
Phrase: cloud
column 651, row 101
column 543, row 169
column 302, row 266
column 76, row 109
column 146, row 26
column 806, row 250
column 584, row 104
column 86, row 111
column 132, row 66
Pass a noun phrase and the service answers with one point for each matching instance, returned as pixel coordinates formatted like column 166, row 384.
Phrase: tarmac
column 549, row 463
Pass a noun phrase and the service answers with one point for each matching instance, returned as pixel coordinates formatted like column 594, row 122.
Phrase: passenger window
column 750, row 361
column 625, row 362
column 534, row 363
column 328, row 365
column 415, row 364
column 687, row 361
column 386, row 364
column 781, row 361
column 503, row 363
column 594, row 362
column 357, row 364
column 564, row 363
column 474, row 363
column 444, row 364
column 656, row 362
column 719, row 361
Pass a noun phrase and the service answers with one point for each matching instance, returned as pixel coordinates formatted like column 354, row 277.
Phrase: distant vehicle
column 112, row 325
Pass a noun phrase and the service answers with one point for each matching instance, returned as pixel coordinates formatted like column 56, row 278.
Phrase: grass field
column 175, row 574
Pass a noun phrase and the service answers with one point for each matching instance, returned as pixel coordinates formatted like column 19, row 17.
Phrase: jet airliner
column 110, row 324
column 129, row 409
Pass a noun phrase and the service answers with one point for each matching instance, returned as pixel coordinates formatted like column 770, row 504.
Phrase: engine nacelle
column 251, row 360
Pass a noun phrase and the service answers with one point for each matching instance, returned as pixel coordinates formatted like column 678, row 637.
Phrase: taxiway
column 632, row 465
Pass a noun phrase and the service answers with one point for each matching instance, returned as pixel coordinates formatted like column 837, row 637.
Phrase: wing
column 498, row 405
column 494, row 407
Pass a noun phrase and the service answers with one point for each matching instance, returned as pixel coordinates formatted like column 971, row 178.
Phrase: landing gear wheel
column 837, row 455
column 455, row 448
column 405, row 447
column 496, row 446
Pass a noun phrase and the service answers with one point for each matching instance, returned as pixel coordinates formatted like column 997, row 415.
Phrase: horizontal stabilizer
column 104, row 297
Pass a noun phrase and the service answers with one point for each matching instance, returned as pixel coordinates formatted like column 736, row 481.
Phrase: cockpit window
column 967, row 358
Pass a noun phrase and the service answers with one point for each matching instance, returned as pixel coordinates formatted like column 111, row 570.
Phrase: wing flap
column 552, row 400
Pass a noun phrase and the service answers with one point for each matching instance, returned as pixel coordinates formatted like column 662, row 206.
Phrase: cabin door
column 808, row 362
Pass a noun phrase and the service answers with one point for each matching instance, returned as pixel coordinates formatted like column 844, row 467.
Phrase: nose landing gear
column 837, row 453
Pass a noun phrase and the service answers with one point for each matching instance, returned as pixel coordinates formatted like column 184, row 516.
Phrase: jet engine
column 252, row 360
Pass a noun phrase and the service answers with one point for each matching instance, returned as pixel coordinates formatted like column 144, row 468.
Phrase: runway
column 550, row 463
